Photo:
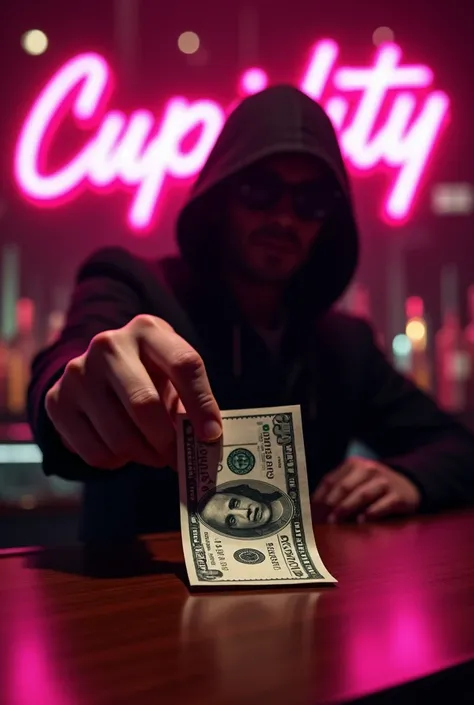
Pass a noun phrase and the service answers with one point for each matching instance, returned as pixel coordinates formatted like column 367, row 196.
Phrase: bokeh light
column 34, row 42
column 188, row 42
column 27, row 501
column 383, row 35
column 401, row 345
column 253, row 81
column 414, row 307
column 416, row 330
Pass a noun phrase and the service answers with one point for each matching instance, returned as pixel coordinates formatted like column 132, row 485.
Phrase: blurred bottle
column 452, row 364
column 451, row 367
column 20, row 355
column 360, row 305
column 468, row 343
column 3, row 376
column 9, row 286
column 56, row 320
column 402, row 353
column 416, row 331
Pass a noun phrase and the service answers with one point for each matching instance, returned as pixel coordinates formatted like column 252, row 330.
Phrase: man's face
column 276, row 210
column 232, row 511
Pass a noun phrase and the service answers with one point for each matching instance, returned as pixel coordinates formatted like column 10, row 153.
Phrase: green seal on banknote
column 249, row 555
column 241, row 461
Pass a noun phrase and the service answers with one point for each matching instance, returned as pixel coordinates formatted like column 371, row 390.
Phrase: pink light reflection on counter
column 402, row 649
column 140, row 150
column 33, row 671
column 33, row 678
column 396, row 637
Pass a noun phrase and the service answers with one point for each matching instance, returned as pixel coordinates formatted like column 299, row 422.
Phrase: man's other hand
column 362, row 489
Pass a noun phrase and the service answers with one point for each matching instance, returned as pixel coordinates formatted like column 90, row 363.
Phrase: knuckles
column 144, row 321
column 383, row 484
column 143, row 399
column 74, row 368
column 51, row 402
column 187, row 363
column 104, row 342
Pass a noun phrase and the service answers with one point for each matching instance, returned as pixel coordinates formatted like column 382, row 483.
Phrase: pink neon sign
column 139, row 150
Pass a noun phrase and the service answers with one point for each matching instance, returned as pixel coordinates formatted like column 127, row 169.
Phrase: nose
column 241, row 511
column 283, row 212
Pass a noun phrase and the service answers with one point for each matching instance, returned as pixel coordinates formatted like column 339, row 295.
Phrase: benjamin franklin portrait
column 249, row 510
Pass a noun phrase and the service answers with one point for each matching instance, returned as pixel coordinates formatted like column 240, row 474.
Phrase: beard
column 269, row 255
column 278, row 236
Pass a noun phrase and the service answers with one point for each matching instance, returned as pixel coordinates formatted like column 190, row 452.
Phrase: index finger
column 185, row 368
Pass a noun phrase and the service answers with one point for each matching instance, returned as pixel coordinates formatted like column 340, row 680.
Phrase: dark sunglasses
column 262, row 190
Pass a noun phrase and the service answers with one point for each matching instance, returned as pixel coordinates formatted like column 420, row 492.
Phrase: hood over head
column 279, row 119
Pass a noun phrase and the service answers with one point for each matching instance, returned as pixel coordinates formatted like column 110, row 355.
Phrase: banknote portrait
column 250, row 510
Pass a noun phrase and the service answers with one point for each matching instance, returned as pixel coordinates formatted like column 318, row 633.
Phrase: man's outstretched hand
column 362, row 489
column 118, row 402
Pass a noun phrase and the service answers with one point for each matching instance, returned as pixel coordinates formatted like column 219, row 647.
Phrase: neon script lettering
column 385, row 115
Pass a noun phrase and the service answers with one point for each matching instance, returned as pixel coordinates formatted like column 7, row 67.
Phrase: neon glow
column 386, row 115
column 253, row 81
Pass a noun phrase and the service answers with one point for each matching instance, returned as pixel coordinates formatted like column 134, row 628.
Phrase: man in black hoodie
column 268, row 244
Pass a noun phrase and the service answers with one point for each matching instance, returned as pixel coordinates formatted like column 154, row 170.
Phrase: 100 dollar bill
column 245, row 509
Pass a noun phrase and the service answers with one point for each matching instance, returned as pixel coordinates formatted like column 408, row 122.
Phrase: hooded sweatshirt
column 328, row 362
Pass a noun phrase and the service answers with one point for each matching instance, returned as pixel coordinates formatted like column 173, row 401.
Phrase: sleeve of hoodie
column 100, row 301
column 412, row 435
